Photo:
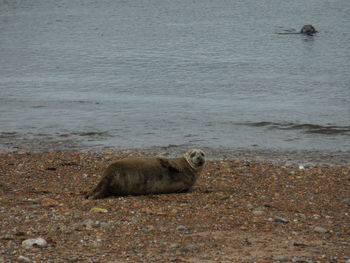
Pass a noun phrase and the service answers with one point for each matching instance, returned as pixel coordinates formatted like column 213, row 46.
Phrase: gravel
column 225, row 218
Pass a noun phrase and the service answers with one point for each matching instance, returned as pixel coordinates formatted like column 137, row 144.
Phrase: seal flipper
column 165, row 163
column 101, row 190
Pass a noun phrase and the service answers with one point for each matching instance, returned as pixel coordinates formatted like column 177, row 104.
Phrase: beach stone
column 281, row 220
column 319, row 229
column 181, row 228
column 23, row 259
column 262, row 261
column 258, row 211
column 346, row 200
column 40, row 242
column 90, row 224
column 174, row 245
column 300, row 260
column 98, row 210
column 11, row 244
column 145, row 230
column 48, row 202
column 74, row 259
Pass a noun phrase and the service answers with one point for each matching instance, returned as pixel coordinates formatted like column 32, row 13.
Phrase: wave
column 306, row 127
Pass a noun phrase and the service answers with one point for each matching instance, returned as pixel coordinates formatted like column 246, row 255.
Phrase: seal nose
column 200, row 161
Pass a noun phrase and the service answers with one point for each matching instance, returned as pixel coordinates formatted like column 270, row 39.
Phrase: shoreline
column 258, row 154
column 12, row 143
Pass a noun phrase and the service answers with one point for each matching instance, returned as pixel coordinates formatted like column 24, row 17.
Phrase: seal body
column 305, row 30
column 150, row 175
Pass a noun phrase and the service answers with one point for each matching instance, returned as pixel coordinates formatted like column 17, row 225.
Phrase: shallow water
column 149, row 73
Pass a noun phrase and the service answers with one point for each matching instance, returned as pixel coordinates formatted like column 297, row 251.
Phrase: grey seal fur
column 150, row 175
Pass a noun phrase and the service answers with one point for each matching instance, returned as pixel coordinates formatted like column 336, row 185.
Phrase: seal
column 150, row 175
column 305, row 30
column 308, row 30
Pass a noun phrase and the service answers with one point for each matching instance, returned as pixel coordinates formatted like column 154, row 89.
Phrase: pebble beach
column 240, row 210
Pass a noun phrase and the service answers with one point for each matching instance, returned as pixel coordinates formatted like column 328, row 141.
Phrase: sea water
column 146, row 73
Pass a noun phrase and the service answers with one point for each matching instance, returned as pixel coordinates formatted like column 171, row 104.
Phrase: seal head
column 195, row 158
column 308, row 30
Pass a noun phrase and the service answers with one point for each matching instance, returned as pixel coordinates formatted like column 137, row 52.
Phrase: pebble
column 319, row 229
column 40, row 242
column 258, row 211
column 48, row 202
column 346, row 200
column 298, row 260
column 145, row 230
column 174, row 245
column 98, row 210
column 181, row 228
column 191, row 247
column 281, row 220
column 23, row 259
column 11, row 244
column 73, row 259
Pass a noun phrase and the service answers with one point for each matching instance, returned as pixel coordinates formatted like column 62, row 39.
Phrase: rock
column 105, row 225
column 145, row 230
column 98, row 210
column 346, row 200
column 181, row 228
column 174, row 245
column 11, row 244
column 89, row 224
column 38, row 242
column 73, row 259
column 48, row 202
column 258, row 211
column 319, row 229
column 281, row 220
column 23, row 259
column 191, row 247
column 301, row 260
column 262, row 261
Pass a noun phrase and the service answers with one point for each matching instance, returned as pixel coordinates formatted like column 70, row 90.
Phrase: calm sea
column 146, row 73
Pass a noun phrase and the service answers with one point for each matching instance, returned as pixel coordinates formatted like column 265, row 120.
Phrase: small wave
column 306, row 127
column 8, row 134
column 87, row 134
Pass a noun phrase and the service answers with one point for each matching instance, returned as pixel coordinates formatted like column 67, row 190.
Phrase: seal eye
column 193, row 154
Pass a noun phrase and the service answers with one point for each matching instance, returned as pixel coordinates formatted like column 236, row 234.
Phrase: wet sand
column 242, row 209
